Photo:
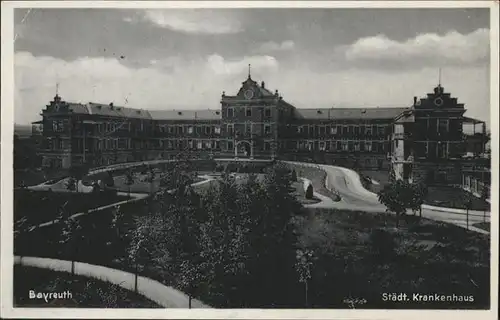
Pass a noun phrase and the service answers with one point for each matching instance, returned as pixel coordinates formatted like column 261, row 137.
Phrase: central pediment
column 251, row 90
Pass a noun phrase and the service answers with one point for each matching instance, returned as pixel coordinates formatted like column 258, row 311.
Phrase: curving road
column 356, row 197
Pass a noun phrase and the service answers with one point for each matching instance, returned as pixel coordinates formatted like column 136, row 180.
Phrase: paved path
column 165, row 296
column 356, row 197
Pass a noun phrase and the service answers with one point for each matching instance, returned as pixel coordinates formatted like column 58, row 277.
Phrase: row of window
column 179, row 129
column 230, row 113
column 342, row 145
column 342, row 129
column 248, row 128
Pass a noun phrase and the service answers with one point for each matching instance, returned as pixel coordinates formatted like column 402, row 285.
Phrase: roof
column 116, row 111
column 349, row 113
column 206, row 114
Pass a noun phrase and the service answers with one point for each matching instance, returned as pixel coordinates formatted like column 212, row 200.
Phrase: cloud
column 192, row 21
column 180, row 82
column 274, row 46
column 451, row 48
column 220, row 66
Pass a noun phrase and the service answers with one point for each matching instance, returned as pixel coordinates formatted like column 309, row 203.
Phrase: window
column 230, row 112
column 190, row 130
column 170, row 129
column 381, row 130
column 322, row 146
column 267, row 129
column 368, row 146
column 207, row 144
column 344, row 145
column 230, row 129
column 217, row 130
column 248, row 112
column 300, row 129
column 443, row 125
column 322, row 130
column 351, row 145
column 122, row 144
column 442, row 149
column 356, row 130
column 356, row 146
column 198, row 130
column 207, row 130
column 311, row 130
column 368, row 130
column 230, row 145
column 344, row 130
column 333, row 145
column 190, row 144
column 267, row 113
column 267, row 146
column 58, row 125
column 199, row 145
column 180, row 130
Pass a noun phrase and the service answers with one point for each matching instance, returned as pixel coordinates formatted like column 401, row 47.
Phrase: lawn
column 44, row 206
column 140, row 184
column 361, row 255
column 483, row 225
column 453, row 197
column 85, row 292
column 34, row 177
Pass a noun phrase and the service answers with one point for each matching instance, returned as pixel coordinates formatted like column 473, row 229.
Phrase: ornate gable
column 57, row 105
column 439, row 99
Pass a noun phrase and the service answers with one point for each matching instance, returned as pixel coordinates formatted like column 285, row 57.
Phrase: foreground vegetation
column 253, row 245
column 85, row 292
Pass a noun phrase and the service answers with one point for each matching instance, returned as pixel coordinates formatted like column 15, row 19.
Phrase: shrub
column 309, row 192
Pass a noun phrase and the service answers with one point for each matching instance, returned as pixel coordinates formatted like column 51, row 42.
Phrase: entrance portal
column 243, row 149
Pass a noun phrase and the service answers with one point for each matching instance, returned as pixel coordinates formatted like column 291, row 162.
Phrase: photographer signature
column 352, row 302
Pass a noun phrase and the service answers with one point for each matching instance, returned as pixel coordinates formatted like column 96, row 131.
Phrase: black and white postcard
column 250, row 159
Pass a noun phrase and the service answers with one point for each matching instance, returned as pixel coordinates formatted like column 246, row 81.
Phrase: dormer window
column 319, row 112
column 179, row 113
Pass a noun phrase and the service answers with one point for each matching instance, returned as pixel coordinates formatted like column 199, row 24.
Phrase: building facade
column 430, row 145
column 258, row 123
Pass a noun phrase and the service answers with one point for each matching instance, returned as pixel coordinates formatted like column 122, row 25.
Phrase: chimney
column 263, row 84
column 414, row 100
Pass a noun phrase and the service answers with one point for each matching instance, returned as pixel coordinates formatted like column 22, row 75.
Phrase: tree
column 21, row 228
column 397, row 197
column 129, row 180
column 467, row 203
column 485, row 195
column 419, row 193
column 109, row 182
column 78, row 172
column 71, row 184
column 71, row 237
column 303, row 267
column 309, row 192
column 151, row 177
column 294, row 175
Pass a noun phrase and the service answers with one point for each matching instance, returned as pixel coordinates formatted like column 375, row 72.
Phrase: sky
column 185, row 58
